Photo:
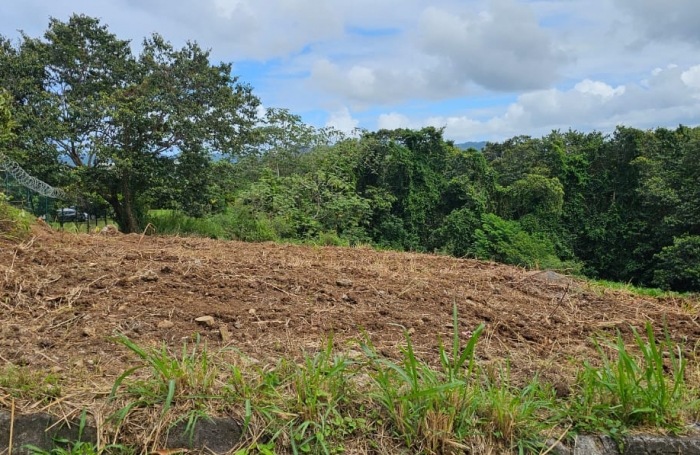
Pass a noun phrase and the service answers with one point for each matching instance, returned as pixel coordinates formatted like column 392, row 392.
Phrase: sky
column 482, row 69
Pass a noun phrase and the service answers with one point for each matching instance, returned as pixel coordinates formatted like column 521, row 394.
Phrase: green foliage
column 6, row 122
column 505, row 241
column 118, row 116
column 428, row 408
column 408, row 165
column 679, row 265
column 173, row 222
column 457, row 234
column 325, row 402
column 25, row 383
column 191, row 377
column 14, row 223
column 627, row 391
column 308, row 204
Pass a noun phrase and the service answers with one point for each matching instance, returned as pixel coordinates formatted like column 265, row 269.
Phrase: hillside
column 64, row 295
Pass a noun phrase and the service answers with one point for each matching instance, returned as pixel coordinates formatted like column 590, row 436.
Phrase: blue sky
column 483, row 69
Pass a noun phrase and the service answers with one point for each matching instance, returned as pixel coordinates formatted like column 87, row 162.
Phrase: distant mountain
column 476, row 145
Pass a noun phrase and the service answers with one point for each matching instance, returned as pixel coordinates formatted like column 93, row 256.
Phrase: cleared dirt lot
column 62, row 296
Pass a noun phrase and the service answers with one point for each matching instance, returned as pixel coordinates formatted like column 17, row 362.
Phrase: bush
column 678, row 266
column 505, row 241
column 456, row 234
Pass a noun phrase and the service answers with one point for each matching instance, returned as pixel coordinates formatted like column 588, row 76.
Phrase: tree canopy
column 120, row 119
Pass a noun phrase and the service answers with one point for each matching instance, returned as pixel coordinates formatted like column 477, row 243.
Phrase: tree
column 119, row 118
column 5, row 117
column 679, row 265
column 407, row 169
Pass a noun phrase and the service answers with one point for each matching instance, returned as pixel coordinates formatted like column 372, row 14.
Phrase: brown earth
column 62, row 296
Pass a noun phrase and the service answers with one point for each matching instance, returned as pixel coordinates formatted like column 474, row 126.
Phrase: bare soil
column 62, row 296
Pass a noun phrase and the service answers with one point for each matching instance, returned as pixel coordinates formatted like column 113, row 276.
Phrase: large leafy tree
column 119, row 118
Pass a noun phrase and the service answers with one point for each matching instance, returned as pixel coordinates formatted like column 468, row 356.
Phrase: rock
column 42, row 431
column 225, row 334
column 166, row 324
column 206, row 320
column 587, row 445
column 210, row 435
column 556, row 448
column 110, row 229
column 149, row 275
column 344, row 283
column 350, row 298
column 661, row 445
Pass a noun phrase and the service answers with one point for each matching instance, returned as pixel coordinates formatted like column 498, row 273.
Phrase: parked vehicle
column 70, row 214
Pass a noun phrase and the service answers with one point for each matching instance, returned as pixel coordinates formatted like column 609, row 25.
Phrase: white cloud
column 502, row 48
column 599, row 88
column 667, row 101
column 691, row 77
column 394, row 120
column 342, row 120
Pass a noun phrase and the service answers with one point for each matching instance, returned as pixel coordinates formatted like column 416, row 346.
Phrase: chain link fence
column 28, row 193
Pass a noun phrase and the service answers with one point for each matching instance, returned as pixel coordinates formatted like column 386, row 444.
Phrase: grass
column 23, row 383
column 330, row 402
column 14, row 223
column 627, row 390
column 649, row 292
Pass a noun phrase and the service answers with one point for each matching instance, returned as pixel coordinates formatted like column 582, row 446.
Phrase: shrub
column 678, row 268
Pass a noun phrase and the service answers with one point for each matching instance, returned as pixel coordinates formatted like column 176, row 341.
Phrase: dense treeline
column 167, row 129
column 623, row 207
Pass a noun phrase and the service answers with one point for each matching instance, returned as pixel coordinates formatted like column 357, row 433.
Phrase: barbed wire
column 28, row 181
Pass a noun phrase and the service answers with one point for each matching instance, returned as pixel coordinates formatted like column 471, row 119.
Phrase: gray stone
column 556, row 448
column 588, row 445
column 42, row 431
column 661, row 445
column 217, row 435
column 634, row 445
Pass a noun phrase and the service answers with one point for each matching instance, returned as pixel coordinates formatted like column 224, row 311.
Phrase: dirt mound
column 63, row 295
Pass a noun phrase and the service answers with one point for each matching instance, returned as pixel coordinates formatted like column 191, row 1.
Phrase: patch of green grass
column 172, row 222
column 14, row 223
column 516, row 416
column 633, row 389
column 25, row 383
column 425, row 407
column 79, row 227
column 649, row 292
column 329, row 403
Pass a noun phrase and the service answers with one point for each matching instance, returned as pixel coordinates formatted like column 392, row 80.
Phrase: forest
column 167, row 136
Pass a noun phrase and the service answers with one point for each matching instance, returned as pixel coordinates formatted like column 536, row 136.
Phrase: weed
column 24, row 383
column 628, row 391
column 428, row 409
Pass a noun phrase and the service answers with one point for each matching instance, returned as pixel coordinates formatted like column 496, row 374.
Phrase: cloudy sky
column 484, row 69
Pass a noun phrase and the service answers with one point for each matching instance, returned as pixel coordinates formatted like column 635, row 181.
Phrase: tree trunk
column 123, row 208
column 130, row 224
